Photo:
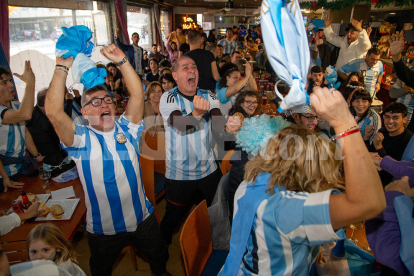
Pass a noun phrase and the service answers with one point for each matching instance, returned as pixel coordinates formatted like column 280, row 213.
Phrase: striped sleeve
column 79, row 137
column 2, row 111
column 214, row 101
column 352, row 66
column 168, row 105
column 134, row 129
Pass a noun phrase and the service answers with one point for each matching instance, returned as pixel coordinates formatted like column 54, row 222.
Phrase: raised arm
column 26, row 107
column 214, row 71
column 363, row 39
column 234, row 89
column 329, row 34
column 135, row 110
column 252, row 86
column 364, row 197
column 54, row 103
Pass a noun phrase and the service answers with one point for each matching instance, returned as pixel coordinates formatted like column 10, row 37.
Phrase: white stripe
column 264, row 262
column 287, row 252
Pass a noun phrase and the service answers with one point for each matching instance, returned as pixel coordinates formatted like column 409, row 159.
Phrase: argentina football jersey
column 12, row 139
column 189, row 155
column 370, row 74
column 109, row 169
column 228, row 46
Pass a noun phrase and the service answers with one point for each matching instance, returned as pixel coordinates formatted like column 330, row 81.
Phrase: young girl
column 46, row 242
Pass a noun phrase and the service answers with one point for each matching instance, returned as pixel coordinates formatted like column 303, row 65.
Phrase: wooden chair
column 225, row 163
column 147, row 174
column 16, row 251
column 197, row 245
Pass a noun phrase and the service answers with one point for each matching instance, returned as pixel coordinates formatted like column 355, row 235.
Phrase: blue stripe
column 186, row 161
column 173, row 156
column 22, row 140
column 10, row 141
column 86, row 168
column 111, row 187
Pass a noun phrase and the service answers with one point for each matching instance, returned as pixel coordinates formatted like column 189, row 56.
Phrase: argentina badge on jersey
column 120, row 138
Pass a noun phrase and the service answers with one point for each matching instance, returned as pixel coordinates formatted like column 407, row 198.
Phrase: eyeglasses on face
column 250, row 102
column 98, row 101
column 310, row 118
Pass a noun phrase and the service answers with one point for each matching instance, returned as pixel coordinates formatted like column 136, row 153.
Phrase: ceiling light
column 392, row 12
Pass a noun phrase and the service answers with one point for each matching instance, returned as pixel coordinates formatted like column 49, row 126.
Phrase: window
column 164, row 25
column 139, row 22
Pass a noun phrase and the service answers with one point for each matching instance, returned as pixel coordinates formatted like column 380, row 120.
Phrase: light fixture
column 392, row 12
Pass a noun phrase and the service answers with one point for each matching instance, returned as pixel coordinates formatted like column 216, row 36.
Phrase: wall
column 361, row 12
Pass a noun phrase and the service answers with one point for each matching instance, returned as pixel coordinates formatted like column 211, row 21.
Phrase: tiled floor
column 124, row 266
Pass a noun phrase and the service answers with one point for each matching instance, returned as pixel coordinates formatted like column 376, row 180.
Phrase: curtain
column 4, row 23
column 122, row 20
column 170, row 21
column 157, row 14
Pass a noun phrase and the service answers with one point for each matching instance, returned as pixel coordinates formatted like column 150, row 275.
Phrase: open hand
column 357, row 24
column 396, row 45
column 28, row 76
column 328, row 20
column 112, row 53
column 200, row 106
column 11, row 184
column 369, row 29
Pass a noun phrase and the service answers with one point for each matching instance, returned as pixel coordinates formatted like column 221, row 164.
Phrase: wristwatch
column 122, row 61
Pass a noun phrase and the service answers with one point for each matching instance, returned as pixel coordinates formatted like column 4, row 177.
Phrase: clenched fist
column 377, row 141
column 200, row 107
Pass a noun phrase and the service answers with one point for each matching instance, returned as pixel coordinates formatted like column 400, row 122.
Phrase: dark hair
column 374, row 51
column 396, row 108
column 173, row 42
column 154, row 45
column 111, row 64
column 165, row 63
column 231, row 29
column 219, row 45
column 179, row 27
column 92, row 90
column 5, row 71
column 168, row 77
column 346, row 90
column 211, row 47
column 135, row 34
column 153, row 59
column 235, row 52
column 316, row 69
column 227, row 73
column 193, row 37
column 225, row 67
column 40, row 98
column 364, row 95
column 240, row 99
column 361, row 78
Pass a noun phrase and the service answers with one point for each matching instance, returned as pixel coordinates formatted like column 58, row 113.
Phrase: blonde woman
column 289, row 202
column 152, row 117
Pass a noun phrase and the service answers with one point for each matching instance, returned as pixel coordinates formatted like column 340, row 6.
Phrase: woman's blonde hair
column 51, row 235
column 300, row 160
column 151, row 87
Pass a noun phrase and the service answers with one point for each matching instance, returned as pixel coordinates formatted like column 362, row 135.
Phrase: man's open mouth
column 191, row 81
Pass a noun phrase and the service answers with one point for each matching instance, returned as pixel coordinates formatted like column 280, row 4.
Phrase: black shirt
column 312, row 84
column 203, row 60
column 151, row 77
column 393, row 146
column 184, row 48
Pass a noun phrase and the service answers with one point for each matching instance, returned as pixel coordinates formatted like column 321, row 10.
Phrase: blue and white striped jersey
column 189, row 155
column 111, row 177
column 286, row 232
column 372, row 119
column 408, row 101
column 370, row 74
column 12, row 139
column 228, row 46
column 226, row 103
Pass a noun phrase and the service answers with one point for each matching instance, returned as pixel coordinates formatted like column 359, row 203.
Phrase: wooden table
column 35, row 186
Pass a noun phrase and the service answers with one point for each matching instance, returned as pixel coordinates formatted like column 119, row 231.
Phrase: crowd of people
column 196, row 92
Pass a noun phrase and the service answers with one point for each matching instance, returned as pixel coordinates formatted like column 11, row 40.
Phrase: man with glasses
column 106, row 155
column 305, row 116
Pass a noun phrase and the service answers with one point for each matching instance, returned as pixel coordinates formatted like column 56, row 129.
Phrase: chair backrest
column 154, row 146
column 16, row 251
column 195, row 240
column 147, row 173
column 225, row 163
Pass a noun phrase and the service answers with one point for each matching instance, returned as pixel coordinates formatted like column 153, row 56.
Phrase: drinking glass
column 44, row 175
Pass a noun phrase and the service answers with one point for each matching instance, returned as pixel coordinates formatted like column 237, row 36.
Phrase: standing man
column 133, row 52
column 178, row 34
column 14, row 136
column 370, row 67
column 154, row 53
column 190, row 114
column 106, row 155
column 228, row 43
column 205, row 62
column 353, row 46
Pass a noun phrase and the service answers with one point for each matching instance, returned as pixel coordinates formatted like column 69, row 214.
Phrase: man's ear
column 175, row 76
column 405, row 119
column 84, row 113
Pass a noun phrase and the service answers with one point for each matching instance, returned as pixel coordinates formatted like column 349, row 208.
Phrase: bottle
column 25, row 200
column 260, row 74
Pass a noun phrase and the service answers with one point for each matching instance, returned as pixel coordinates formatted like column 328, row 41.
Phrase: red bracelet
column 347, row 133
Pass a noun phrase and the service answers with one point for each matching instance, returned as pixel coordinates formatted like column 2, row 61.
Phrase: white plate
column 68, row 206
column 43, row 197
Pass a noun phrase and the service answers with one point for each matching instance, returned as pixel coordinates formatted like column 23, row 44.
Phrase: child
column 46, row 242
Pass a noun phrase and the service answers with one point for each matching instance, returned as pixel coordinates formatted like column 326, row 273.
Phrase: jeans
column 181, row 195
column 146, row 239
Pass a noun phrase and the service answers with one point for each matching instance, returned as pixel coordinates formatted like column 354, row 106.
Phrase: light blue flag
column 287, row 48
column 73, row 41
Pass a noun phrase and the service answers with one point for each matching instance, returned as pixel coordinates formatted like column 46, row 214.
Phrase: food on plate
column 46, row 209
column 56, row 211
column 32, row 197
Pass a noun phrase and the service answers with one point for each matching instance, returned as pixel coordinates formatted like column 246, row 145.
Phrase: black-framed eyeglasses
column 250, row 102
column 98, row 101
column 310, row 118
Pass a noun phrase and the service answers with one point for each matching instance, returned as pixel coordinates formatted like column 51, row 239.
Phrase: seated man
column 317, row 78
column 106, row 155
column 393, row 138
column 56, row 159
column 305, row 116
column 370, row 67
column 14, row 136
